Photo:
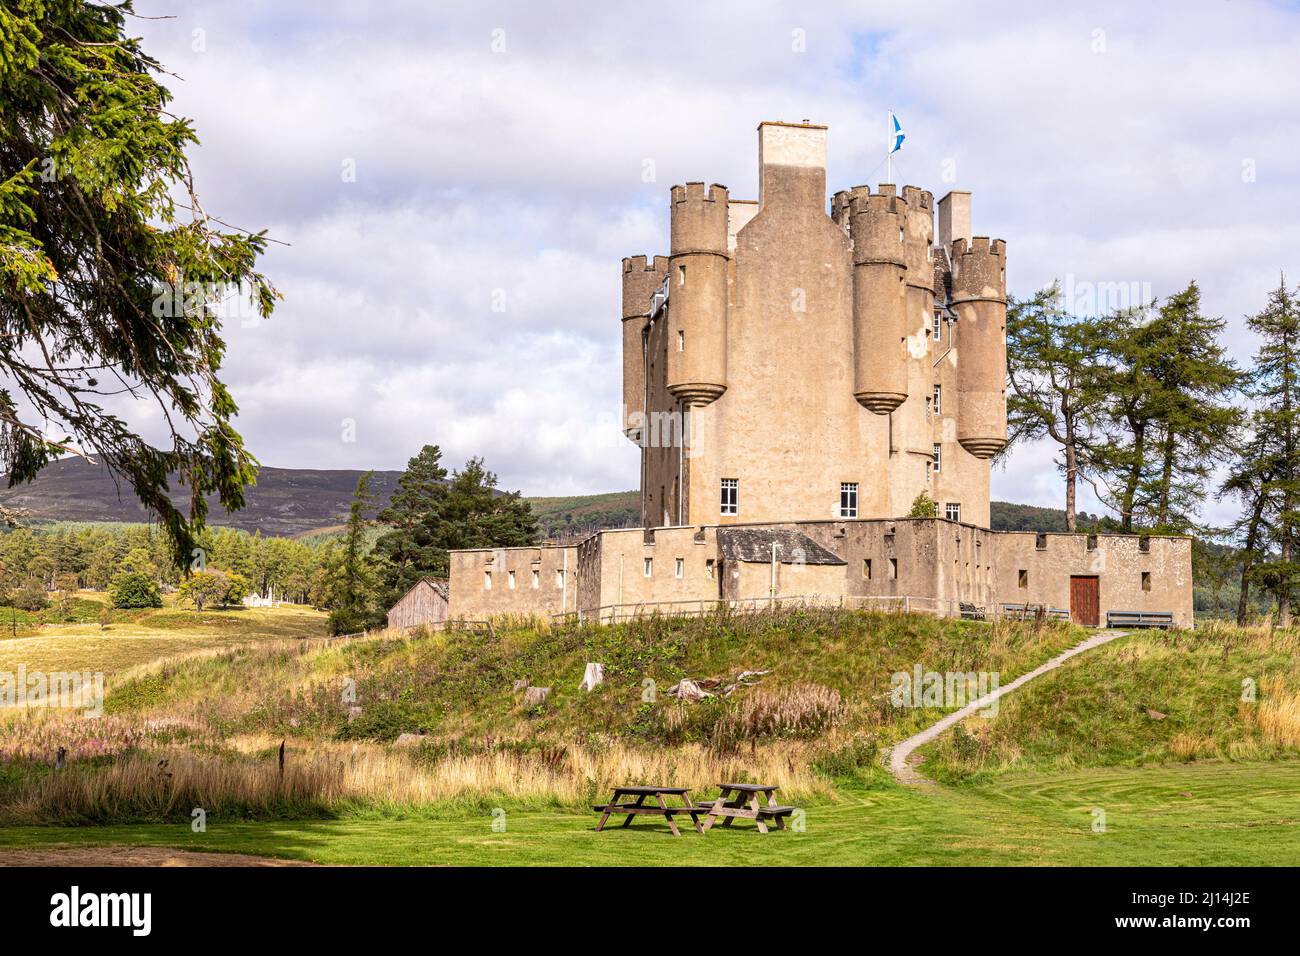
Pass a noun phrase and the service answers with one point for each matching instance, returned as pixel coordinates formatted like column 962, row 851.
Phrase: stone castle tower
column 782, row 364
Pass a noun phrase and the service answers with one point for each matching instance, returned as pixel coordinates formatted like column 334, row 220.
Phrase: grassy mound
column 819, row 670
column 1221, row 692
column 818, row 712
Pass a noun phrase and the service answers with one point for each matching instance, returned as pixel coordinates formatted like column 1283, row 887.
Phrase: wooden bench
column 740, row 801
column 1029, row 612
column 660, row 807
column 1163, row 619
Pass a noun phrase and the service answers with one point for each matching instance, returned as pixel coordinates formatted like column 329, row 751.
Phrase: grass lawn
column 1245, row 814
column 138, row 637
column 1155, row 735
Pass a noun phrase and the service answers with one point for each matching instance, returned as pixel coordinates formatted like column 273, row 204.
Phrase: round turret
column 980, row 301
column 879, row 300
column 641, row 279
column 697, row 294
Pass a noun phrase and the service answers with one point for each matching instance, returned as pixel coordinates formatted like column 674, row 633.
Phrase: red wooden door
column 1085, row 600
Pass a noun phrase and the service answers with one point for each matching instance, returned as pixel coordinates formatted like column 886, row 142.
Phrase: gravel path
column 905, row 772
column 131, row 856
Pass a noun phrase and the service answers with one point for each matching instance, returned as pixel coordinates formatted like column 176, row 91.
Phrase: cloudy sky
column 457, row 182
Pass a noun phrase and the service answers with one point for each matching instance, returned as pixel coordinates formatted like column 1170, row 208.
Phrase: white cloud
column 521, row 171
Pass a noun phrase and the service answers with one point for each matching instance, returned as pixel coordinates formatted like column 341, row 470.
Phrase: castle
column 795, row 381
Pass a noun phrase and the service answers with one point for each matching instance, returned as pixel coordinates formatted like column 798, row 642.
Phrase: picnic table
column 745, row 801
column 660, row 807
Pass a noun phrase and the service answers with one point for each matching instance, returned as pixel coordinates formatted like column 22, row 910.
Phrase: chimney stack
column 792, row 164
column 954, row 218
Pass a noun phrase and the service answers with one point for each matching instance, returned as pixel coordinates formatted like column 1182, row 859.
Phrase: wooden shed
column 425, row 603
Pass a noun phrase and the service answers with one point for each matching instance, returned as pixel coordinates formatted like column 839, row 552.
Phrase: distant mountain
column 579, row 515
column 1005, row 516
column 296, row 501
column 283, row 503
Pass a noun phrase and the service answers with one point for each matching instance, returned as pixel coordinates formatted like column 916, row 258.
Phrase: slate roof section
column 754, row 546
column 439, row 587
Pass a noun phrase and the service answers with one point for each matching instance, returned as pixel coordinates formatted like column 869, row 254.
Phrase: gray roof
column 754, row 545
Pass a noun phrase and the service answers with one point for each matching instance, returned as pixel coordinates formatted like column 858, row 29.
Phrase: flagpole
column 889, row 142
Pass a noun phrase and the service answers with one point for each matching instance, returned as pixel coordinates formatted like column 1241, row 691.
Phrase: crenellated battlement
column 979, row 246
column 642, row 263
column 918, row 198
column 699, row 219
column 876, row 227
column 878, row 204
column 641, row 277
column 979, row 269
column 695, row 192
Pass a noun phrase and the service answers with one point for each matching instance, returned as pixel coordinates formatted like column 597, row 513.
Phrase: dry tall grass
column 145, row 787
column 329, row 779
column 803, row 710
column 1278, row 718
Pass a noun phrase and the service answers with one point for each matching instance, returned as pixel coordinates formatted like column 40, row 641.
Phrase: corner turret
column 979, row 297
column 876, row 226
column 697, row 294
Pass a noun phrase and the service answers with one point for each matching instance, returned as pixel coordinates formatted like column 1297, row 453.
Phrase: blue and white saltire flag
column 897, row 136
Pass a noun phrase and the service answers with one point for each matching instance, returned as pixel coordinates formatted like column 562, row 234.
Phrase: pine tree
column 110, row 268
column 353, row 585
column 1194, row 386
column 1052, row 363
column 1248, row 481
column 410, row 549
column 1168, row 390
column 1275, row 447
column 1121, row 456
column 476, row 515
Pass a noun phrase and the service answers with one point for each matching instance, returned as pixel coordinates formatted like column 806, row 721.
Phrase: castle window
column 1040, row 541
column 953, row 511
column 559, row 579
column 510, row 580
column 1144, row 544
column 848, row 499
column 730, row 496
column 649, row 567
column 537, row 579
column 938, row 456
column 866, row 568
column 1092, row 542
column 893, row 569
column 681, row 341
column 487, row 580
column 1146, row 580
column 681, row 275
column 938, row 399
column 938, row 324
column 1024, row 578
column 711, row 566
column 680, row 570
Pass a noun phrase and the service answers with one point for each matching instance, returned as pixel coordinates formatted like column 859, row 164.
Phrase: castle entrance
column 1085, row 600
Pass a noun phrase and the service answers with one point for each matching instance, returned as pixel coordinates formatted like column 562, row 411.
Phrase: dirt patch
column 133, row 856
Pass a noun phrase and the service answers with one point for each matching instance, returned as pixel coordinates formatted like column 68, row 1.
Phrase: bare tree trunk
column 1071, row 477
column 1166, row 480
column 1248, row 558
column 1134, row 476
column 1284, row 594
